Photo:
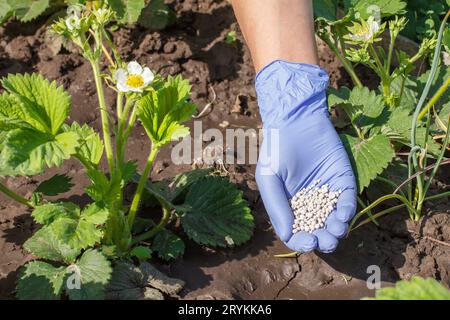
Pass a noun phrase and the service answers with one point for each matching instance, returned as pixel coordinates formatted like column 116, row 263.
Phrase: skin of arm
column 277, row 29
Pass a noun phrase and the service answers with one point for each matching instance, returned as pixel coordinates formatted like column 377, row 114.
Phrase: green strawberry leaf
column 45, row 245
column 11, row 114
column 59, row 183
column 444, row 114
column 368, row 157
column 408, row 91
column 141, row 225
column 141, row 252
column 156, row 15
column 129, row 169
column 78, row 233
column 27, row 10
column 398, row 128
column 40, row 281
column 127, row 11
column 362, row 105
column 102, row 189
column 5, row 10
column 143, row 282
column 385, row 8
column 415, row 289
column 81, row 231
column 89, row 276
column 100, row 186
column 45, row 106
column 442, row 74
column 49, row 212
column 398, row 124
column 163, row 111
column 91, row 145
column 168, row 245
column 218, row 216
column 325, row 9
column 183, row 181
column 95, row 214
column 28, row 152
column 173, row 190
column 129, row 283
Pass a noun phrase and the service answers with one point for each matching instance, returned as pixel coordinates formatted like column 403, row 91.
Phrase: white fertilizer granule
column 312, row 206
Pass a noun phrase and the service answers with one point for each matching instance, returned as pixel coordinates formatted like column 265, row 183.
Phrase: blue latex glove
column 300, row 145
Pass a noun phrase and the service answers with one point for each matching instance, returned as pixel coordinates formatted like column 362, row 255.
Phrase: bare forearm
column 277, row 29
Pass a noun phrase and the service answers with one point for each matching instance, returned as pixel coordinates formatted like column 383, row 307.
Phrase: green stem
column 140, row 188
column 15, row 196
column 121, row 141
column 412, row 165
column 392, row 184
column 103, row 113
column 392, row 209
column 428, row 84
column 402, row 88
column 380, row 200
column 119, row 105
column 86, row 163
column 389, row 182
column 369, row 213
column 347, row 66
column 438, row 161
column 113, row 47
column 417, row 111
column 438, row 196
column 434, row 99
column 377, row 59
column 130, row 125
column 358, row 132
column 340, row 31
column 422, row 175
column 390, row 51
column 375, row 216
column 160, row 226
column 126, row 134
column 385, row 80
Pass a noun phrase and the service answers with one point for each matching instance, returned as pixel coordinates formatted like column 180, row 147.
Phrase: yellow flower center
column 135, row 80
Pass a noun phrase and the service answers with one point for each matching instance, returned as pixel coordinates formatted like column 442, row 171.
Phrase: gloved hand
column 300, row 145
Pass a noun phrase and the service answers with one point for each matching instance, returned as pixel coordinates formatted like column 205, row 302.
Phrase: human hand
column 301, row 146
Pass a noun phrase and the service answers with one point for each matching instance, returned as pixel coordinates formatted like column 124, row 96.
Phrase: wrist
column 285, row 88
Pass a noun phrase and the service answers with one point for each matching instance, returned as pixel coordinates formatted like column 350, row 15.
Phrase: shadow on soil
column 372, row 246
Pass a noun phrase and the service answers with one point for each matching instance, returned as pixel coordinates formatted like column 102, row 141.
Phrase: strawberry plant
column 380, row 124
column 152, row 14
column 412, row 192
column 89, row 252
column 416, row 288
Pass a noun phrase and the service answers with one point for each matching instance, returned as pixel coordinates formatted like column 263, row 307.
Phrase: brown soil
column 195, row 47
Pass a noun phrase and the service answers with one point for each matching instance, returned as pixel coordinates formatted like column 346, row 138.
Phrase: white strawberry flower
column 73, row 21
column 373, row 26
column 366, row 31
column 135, row 78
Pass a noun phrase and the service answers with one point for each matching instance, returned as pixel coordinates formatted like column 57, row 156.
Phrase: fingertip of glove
column 302, row 242
column 336, row 227
column 326, row 242
column 346, row 206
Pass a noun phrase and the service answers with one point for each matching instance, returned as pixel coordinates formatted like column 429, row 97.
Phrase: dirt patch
column 195, row 47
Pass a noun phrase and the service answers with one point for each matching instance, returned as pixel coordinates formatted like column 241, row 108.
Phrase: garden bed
column 194, row 46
